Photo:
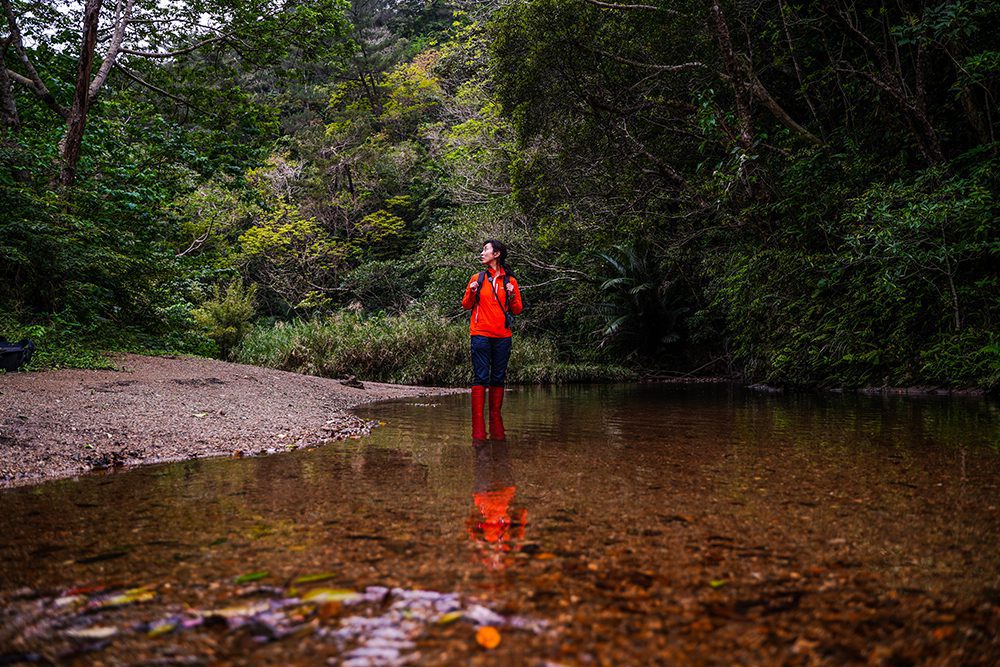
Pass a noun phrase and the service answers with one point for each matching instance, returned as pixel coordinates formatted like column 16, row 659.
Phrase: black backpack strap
column 480, row 280
column 506, row 282
column 508, row 319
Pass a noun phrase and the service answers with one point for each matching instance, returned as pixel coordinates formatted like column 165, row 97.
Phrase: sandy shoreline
column 64, row 423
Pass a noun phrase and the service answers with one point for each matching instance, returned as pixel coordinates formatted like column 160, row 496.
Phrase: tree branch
column 614, row 5
column 171, row 54
column 20, row 78
column 859, row 37
column 142, row 82
column 760, row 92
column 114, row 48
column 33, row 80
column 666, row 68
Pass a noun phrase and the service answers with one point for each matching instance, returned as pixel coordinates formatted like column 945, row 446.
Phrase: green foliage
column 968, row 358
column 411, row 92
column 416, row 347
column 799, row 210
column 639, row 311
column 58, row 344
column 226, row 316
column 903, row 280
column 289, row 255
column 389, row 285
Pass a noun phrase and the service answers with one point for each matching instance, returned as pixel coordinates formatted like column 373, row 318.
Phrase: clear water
column 630, row 524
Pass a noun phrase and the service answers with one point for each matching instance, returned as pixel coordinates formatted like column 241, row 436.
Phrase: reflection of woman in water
column 496, row 530
column 493, row 296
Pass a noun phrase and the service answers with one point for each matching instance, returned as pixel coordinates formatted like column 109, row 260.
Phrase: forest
column 801, row 194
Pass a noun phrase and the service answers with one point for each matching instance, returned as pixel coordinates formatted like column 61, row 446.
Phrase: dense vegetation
column 795, row 193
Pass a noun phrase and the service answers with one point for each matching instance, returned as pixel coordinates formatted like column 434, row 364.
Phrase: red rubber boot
column 496, row 419
column 478, row 425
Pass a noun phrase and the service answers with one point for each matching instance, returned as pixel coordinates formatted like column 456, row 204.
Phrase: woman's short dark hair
column 499, row 248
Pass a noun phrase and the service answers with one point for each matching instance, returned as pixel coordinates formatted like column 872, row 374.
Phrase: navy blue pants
column 489, row 360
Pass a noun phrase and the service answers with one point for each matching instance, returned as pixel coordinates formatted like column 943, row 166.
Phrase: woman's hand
column 474, row 285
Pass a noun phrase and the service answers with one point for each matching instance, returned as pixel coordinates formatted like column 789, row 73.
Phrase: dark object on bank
column 352, row 381
column 15, row 355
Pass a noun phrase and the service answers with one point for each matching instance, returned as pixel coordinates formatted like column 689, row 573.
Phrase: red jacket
column 487, row 317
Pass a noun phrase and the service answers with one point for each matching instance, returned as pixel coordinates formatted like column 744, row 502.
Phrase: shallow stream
column 690, row 524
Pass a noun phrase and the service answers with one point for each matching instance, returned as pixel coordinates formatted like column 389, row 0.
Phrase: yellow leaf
column 329, row 595
column 235, row 612
column 450, row 617
column 162, row 629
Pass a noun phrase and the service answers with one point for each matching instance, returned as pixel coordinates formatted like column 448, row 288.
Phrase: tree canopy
column 798, row 193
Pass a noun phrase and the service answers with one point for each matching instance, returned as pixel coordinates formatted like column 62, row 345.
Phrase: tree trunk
column 72, row 141
column 9, row 117
column 888, row 76
column 743, row 118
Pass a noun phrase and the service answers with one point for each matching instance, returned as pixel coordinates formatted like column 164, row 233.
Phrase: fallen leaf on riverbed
column 252, row 576
column 330, row 609
column 450, row 617
column 488, row 637
column 161, row 629
column 67, row 600
column 310, row 578
column 329, row 595
column 108, row 555
column 804, row 646
column 95, row 632
column 236, row 612
column 86, row 590
column 122, row 599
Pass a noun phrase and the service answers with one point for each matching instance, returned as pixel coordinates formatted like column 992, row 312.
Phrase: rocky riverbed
column 155, row 409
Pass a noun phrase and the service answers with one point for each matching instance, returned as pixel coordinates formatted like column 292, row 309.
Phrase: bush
column 226, row 316
column 387, row 285
column 416, row 347
column 970, row 358
column 899, row 291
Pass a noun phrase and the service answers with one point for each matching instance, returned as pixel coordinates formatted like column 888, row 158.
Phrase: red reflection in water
column 496, row 530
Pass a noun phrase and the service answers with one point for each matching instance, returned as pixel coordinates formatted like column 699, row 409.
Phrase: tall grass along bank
column 411, row 348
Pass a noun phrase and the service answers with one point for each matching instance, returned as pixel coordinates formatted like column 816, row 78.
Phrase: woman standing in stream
column 494, row 298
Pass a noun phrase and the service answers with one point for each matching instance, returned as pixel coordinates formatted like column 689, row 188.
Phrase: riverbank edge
column 60, row 424
column 779, row 388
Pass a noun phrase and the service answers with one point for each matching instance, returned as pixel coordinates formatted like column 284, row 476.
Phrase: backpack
column 508, row 319
column 15, row 355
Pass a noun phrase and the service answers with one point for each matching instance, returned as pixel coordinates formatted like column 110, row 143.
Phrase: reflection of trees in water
column 495, row 528
column 852, row 423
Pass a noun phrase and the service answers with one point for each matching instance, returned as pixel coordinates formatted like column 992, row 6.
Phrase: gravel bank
column 154, row 409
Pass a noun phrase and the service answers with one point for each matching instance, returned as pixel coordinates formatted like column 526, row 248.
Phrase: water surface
column 617, row 524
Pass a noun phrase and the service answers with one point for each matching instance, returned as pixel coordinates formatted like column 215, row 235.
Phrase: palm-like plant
column 639, row 310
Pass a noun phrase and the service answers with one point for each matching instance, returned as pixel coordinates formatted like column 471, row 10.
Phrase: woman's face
column 487, row 255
